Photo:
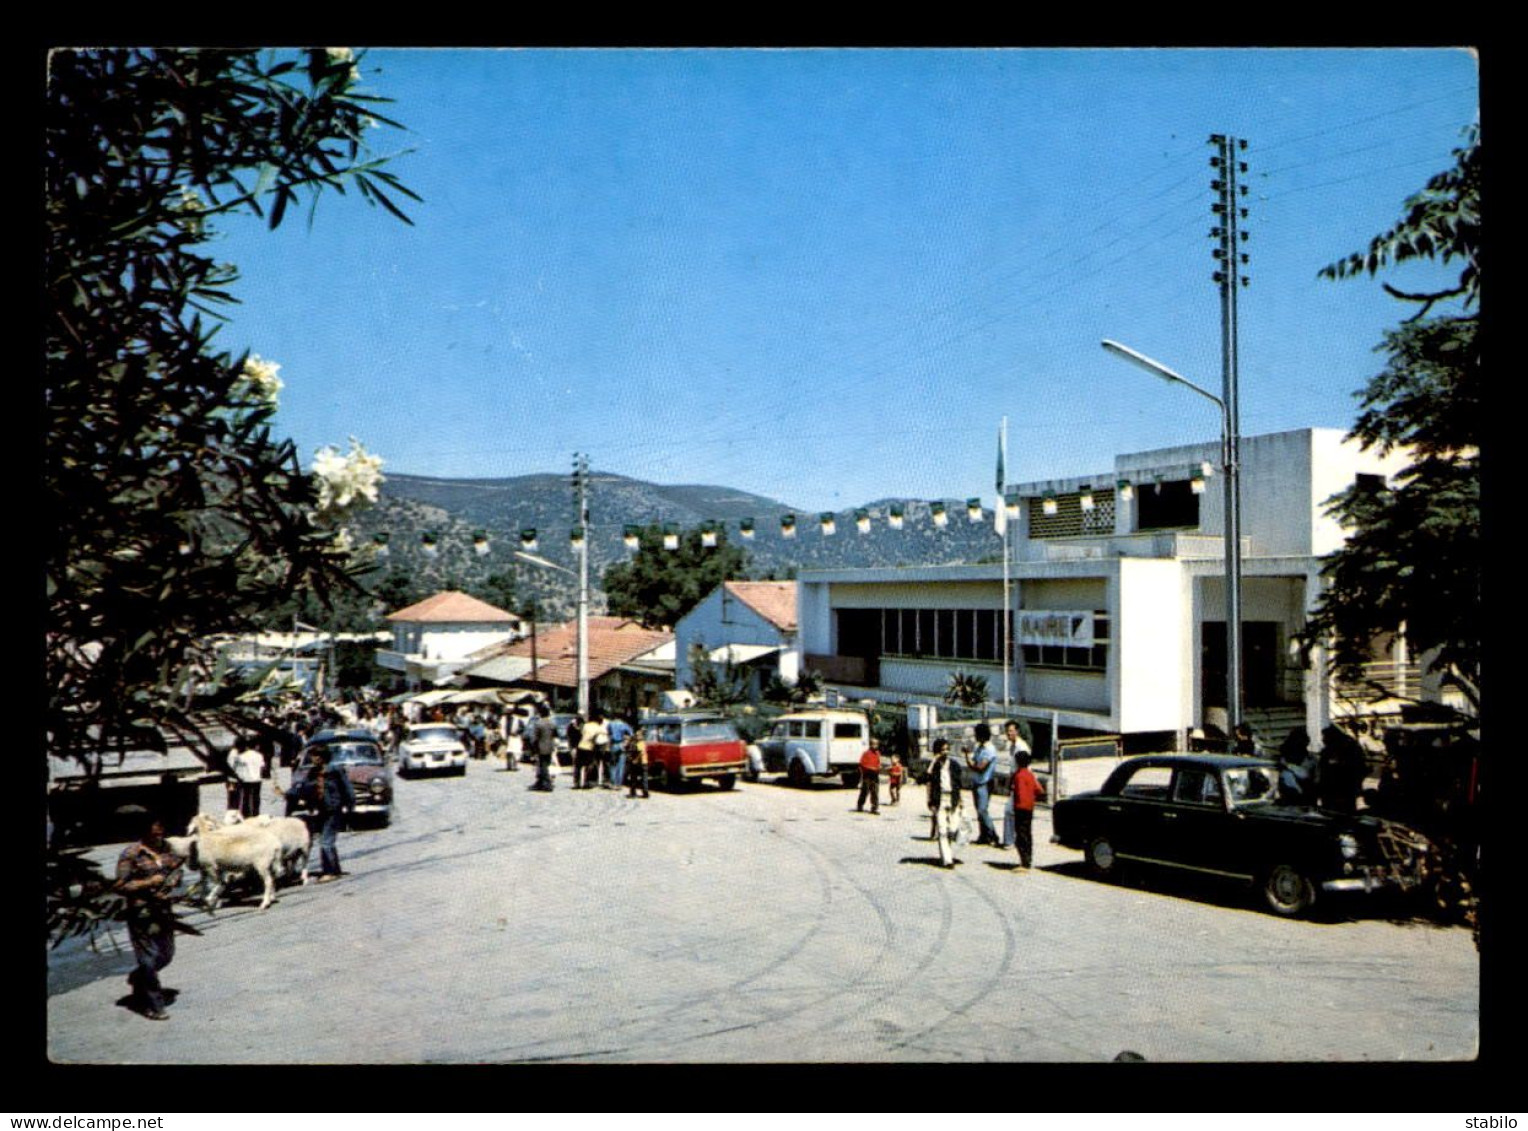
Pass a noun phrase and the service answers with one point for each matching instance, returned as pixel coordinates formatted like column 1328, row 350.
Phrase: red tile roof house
column 629, row 666
column 437, row 637
column 751, row 624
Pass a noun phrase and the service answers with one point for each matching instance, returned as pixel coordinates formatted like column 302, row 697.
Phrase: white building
column 435, row 638
column 749, row 624
column 1117, row 600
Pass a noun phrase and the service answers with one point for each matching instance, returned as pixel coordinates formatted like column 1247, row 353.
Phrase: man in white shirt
column 248, row 767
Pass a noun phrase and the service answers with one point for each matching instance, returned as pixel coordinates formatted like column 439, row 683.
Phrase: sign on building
column 1055, row 627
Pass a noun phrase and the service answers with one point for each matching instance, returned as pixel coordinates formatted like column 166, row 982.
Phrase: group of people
column 1331, row 779
column 606, row 753
column 947, row 807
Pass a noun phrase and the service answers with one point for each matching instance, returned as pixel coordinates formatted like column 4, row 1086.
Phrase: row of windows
column 1095, row 658
column 957, row 634
column 954, row 634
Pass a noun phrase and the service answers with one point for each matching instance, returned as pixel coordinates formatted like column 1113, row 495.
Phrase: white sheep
column 296, row 839
column 219, row 854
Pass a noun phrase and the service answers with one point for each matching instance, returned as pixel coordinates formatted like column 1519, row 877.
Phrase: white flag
column 1000, row 512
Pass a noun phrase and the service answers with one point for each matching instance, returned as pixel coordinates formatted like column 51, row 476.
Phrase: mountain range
column 454, row 510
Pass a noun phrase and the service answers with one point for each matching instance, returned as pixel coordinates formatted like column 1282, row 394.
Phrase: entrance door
column 1260, row 663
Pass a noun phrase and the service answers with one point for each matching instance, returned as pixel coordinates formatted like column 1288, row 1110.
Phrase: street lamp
column 583, row 616
column 1229, row 457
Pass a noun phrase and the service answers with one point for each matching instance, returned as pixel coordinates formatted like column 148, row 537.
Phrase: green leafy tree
column 175, row 514
column 714, row 684
column 498, row 589
column 397, row 590
column 1413, row 559
column 658, row 586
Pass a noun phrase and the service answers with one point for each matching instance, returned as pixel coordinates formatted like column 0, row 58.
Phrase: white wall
column 1336, row 462
column 458, row 641
column 1152, row 657
column 919, row 595
column 722, row 618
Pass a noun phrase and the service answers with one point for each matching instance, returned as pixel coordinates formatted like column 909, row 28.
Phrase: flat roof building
column 1116, row 600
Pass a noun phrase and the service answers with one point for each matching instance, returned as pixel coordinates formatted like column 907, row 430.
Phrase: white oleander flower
column 339, row 55
column 260, row 378
column 346, row 481
column 343, row 542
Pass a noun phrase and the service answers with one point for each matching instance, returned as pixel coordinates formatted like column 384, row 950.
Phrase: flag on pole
column 1000, row 512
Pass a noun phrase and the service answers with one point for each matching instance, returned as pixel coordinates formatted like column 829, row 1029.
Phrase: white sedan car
column 430, row 747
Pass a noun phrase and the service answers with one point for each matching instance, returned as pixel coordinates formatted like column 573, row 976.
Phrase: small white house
column 436, row 638
column 749, row 624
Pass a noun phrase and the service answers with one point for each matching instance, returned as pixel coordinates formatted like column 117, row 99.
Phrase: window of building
column 1369, row 483
column 1071, row 520
column 1166, row 506
column 946, row 634
column 1092, row 658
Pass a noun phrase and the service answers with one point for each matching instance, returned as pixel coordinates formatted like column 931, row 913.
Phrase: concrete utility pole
column 1229, row 236
column 581, row 500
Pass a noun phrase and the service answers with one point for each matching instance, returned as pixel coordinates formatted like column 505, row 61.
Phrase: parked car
column 816, row 743
column 432, row 746
column 1222, row 815
column 683, row 749
column 360, row 755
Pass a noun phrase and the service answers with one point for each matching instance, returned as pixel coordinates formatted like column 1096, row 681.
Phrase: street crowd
column 609, row 752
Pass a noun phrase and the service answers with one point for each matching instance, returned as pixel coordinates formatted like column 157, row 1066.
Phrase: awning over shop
column 495, row 695
column 501, row 669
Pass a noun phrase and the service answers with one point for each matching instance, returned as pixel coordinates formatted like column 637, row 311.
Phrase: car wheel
column 798, row 775
column 461, row 771
column 1102, row 858
column 1287, row 891
column 727, row 781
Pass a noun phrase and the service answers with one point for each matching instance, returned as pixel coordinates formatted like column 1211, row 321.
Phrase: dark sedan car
column 359, row 754
column 1222, row 815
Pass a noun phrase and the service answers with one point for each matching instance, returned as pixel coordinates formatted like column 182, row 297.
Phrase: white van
column 816, row 743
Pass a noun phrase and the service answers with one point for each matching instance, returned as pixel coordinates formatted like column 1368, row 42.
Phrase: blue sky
column 825, row 275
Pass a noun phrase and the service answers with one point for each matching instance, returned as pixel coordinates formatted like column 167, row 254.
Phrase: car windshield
column 353, row 753
column 1252, row 785
column 434, row 734
column 711, row 730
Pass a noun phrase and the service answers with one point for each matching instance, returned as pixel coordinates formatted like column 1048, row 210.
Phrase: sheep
column 220, row 853
column 296, row 840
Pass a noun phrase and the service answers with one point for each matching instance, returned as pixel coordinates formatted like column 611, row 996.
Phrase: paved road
column 489, row 924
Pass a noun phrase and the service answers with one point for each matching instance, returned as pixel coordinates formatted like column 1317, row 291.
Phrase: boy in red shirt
column 894, row 774
column 1027, row 789
column 870, row 778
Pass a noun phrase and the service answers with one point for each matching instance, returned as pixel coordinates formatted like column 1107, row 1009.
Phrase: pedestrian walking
column 147, row 876
column 1026, row 790
column 1342, row 770
column 593, row 740
column 620, row 731
column 604, row 753
column 636, row 763
column 944, row 800
column 575, row 739
column 231, row 787
column 983, row 766
column 541, row 739
column 894, row 775
column 514, row 738
column 336, row 801
column 870, row 778
column 248, row 766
